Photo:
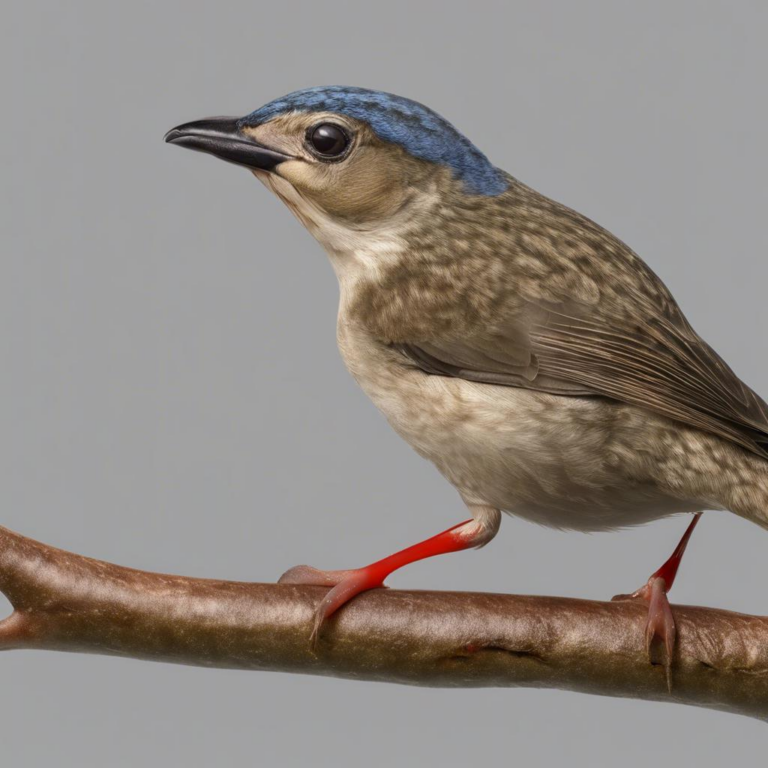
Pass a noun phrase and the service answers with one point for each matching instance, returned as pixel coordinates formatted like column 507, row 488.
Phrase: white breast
column 557, row 461
column 563, row 462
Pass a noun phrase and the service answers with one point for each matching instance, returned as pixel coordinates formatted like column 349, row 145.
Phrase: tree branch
column 67, row 602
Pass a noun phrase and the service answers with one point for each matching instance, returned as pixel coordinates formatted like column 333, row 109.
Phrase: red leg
column 346, row 584
column 661, row 622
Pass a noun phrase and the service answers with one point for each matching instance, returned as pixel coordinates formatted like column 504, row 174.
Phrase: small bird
column 528, row 353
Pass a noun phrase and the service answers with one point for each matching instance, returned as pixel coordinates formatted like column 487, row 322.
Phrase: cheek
column 302, row 175
column 358, row 194
column 355, row 192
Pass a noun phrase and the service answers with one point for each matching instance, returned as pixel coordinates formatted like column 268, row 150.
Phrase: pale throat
column 355, row 252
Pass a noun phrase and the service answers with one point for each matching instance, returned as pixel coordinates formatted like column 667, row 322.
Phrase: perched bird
column 528, row 353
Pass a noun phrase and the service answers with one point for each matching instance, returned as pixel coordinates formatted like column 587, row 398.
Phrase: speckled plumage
column 528, row 353
column 521, row 290
column 575, row 461
column 522, row 348
column 531, row 355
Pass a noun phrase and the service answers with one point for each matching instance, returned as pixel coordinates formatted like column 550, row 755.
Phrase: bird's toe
column 307, row 575
column 660, row 626
column 344, row 586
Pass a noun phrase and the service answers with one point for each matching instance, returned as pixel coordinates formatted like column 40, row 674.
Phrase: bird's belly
column 559, row 461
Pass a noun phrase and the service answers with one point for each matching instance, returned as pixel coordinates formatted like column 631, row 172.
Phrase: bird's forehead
column 416, row 128
column 373, row 107
column 294, row 122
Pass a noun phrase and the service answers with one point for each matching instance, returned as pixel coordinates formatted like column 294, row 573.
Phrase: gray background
column 171, row 395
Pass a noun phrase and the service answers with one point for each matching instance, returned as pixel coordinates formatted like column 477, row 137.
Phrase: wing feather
column 572, row 311
column 637, row 349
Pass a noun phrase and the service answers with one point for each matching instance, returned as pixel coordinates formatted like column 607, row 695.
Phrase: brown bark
column 67, row 602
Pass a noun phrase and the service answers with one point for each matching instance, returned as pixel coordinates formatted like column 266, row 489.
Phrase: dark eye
column 328, row 140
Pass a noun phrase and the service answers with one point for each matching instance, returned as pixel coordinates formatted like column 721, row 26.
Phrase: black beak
column 221, row 137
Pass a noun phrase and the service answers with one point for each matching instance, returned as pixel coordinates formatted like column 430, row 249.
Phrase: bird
column 528, row 353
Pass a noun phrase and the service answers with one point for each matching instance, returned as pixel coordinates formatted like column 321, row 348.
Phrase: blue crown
column 413, row 126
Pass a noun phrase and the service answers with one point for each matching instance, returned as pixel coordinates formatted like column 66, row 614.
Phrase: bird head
column 348, row 161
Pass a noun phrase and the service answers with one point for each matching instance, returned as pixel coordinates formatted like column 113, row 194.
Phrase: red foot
column 660, row 624
column 346, row 584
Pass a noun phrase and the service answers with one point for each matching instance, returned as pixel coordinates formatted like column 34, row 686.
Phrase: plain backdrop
column 171, row 395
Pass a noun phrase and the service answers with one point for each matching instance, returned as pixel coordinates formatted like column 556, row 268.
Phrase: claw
column 344, row 586
column 347, row 584
column 306, row 574
column 661, row 625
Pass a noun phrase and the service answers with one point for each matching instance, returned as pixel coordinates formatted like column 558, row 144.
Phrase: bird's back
column 520, row 290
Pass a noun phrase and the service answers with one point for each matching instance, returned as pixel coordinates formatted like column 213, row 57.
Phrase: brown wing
column 658, row 367
column 599, row 324
column 661, row 367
